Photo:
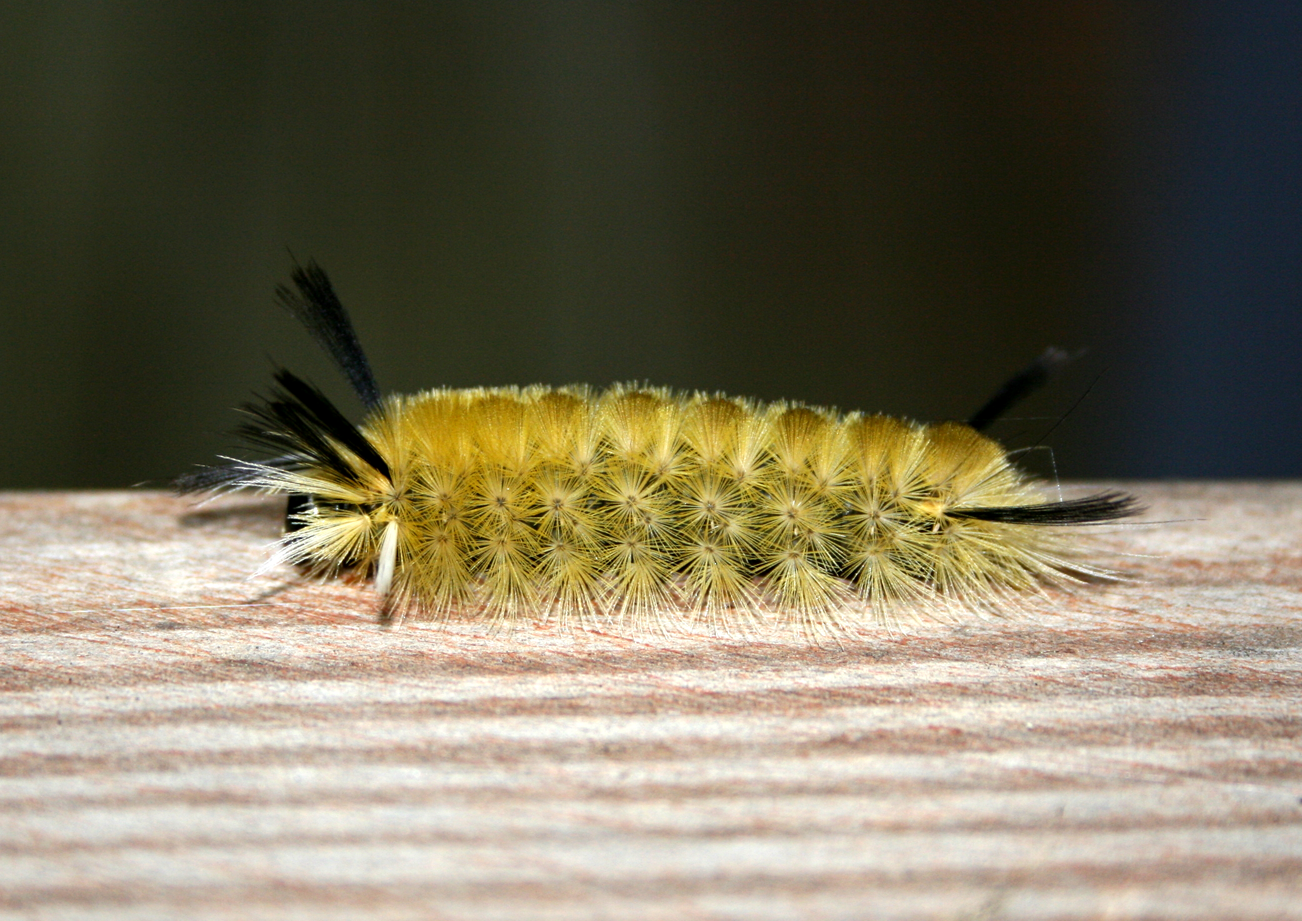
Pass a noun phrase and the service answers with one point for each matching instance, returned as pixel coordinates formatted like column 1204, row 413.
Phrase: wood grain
column 177, row 740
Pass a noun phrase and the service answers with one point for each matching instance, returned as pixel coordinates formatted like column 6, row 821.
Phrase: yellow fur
column 636, row 501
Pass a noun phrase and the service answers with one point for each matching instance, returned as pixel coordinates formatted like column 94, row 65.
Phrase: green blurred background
column 887, row 206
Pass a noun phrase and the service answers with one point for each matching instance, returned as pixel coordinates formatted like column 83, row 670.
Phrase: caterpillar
column 643, row 503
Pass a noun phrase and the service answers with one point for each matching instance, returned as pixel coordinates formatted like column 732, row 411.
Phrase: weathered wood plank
column 179, row 740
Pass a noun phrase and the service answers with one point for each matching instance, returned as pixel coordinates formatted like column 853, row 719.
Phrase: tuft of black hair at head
column 317, row 307
column 300, row 421
column 230, row 476
column 1096, row 509
column 331, row 420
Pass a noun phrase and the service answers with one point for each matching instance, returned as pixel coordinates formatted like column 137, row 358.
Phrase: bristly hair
column 303, row 428
column 1019, row 386
column 230, row 476
column 1097, row 509
column 317, row 307
column 299, row 420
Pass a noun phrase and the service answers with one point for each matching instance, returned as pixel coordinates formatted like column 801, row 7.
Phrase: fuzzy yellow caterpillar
column 644, row 503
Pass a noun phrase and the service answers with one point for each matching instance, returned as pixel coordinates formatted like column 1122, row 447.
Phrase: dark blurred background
column 886, row 206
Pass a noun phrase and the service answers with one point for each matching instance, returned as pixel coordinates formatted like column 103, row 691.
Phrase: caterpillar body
column 643, row 503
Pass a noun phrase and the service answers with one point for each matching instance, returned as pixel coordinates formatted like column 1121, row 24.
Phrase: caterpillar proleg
column 644, row 503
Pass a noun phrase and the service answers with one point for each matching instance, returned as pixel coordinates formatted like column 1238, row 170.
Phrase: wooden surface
column 177, row 740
